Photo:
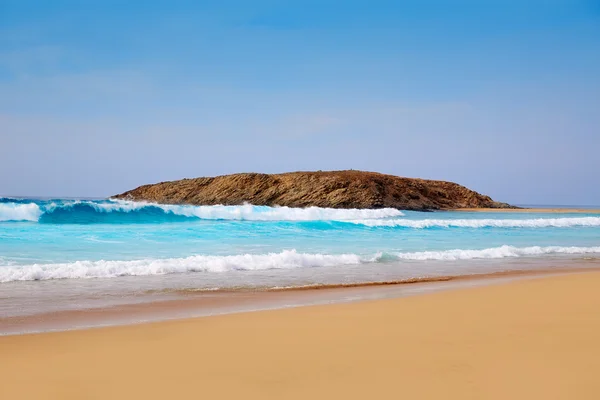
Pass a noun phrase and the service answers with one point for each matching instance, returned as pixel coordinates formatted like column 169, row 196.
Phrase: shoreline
column 193, row 303
column 523, row 339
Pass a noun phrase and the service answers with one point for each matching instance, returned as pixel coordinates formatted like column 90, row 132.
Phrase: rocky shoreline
column 332, row 189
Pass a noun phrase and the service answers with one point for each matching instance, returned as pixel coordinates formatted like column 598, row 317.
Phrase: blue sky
column 97, row 97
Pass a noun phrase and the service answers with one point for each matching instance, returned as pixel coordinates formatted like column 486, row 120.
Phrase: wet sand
column 193, row 303
column 527, row 339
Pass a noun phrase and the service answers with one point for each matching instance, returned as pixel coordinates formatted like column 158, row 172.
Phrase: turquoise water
column 61, row 239
column 52, row 251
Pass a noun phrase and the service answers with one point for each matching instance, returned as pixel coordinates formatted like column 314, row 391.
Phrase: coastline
column 197, row 303
column 531, row 338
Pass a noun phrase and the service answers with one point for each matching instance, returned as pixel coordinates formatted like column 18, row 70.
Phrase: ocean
column 65, row 254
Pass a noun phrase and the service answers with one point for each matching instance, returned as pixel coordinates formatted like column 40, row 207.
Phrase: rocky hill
column 335, row 189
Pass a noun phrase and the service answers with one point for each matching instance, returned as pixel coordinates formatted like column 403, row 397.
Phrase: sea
column 59, row 255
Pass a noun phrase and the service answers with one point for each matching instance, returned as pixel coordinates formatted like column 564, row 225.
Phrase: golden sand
column 529, row 339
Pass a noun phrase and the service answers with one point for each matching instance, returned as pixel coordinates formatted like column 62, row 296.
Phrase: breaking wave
column 108, row 269
column 494, row 252
column 285, row 260
column 19, row 212
column 481, row 223
column 117, row 211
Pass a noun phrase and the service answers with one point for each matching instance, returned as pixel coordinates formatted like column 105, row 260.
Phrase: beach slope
column 529, row 339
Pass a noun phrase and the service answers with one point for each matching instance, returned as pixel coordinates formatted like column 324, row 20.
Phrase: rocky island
column 334, row 189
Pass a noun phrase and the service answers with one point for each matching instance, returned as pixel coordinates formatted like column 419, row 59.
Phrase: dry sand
column 530, row 339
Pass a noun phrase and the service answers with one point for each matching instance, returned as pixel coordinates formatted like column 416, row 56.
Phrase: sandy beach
column 535, row 338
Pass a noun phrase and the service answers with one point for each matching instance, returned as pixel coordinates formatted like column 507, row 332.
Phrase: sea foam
column 247, row 262
column 74, row 209
column 200, row 263
column 494, row 252
column 481, row 223
column 19, row 212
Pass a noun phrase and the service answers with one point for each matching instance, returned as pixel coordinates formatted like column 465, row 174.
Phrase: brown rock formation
column 336, row 189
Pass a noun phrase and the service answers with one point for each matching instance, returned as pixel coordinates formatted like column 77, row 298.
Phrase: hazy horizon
column 102, row 97
column 71, row 197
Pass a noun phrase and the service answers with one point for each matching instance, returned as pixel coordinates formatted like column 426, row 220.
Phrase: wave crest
column 129, row 211
column 494, row 252
column 284, row 260
column 109, row 269
column 19, row 212
column 481, row 223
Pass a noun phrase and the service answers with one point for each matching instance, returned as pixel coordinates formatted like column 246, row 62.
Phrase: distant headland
column 333, row 189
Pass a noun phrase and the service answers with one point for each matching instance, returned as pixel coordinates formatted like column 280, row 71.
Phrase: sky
column 98, row 97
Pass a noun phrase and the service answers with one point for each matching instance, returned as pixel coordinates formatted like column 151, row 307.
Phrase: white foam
column 254, row 213
column 285, row 260
column 482, row 223
column 495, row 252
column 200, row 263
column 32, row 212
column 245, row 212
column 19, row 212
